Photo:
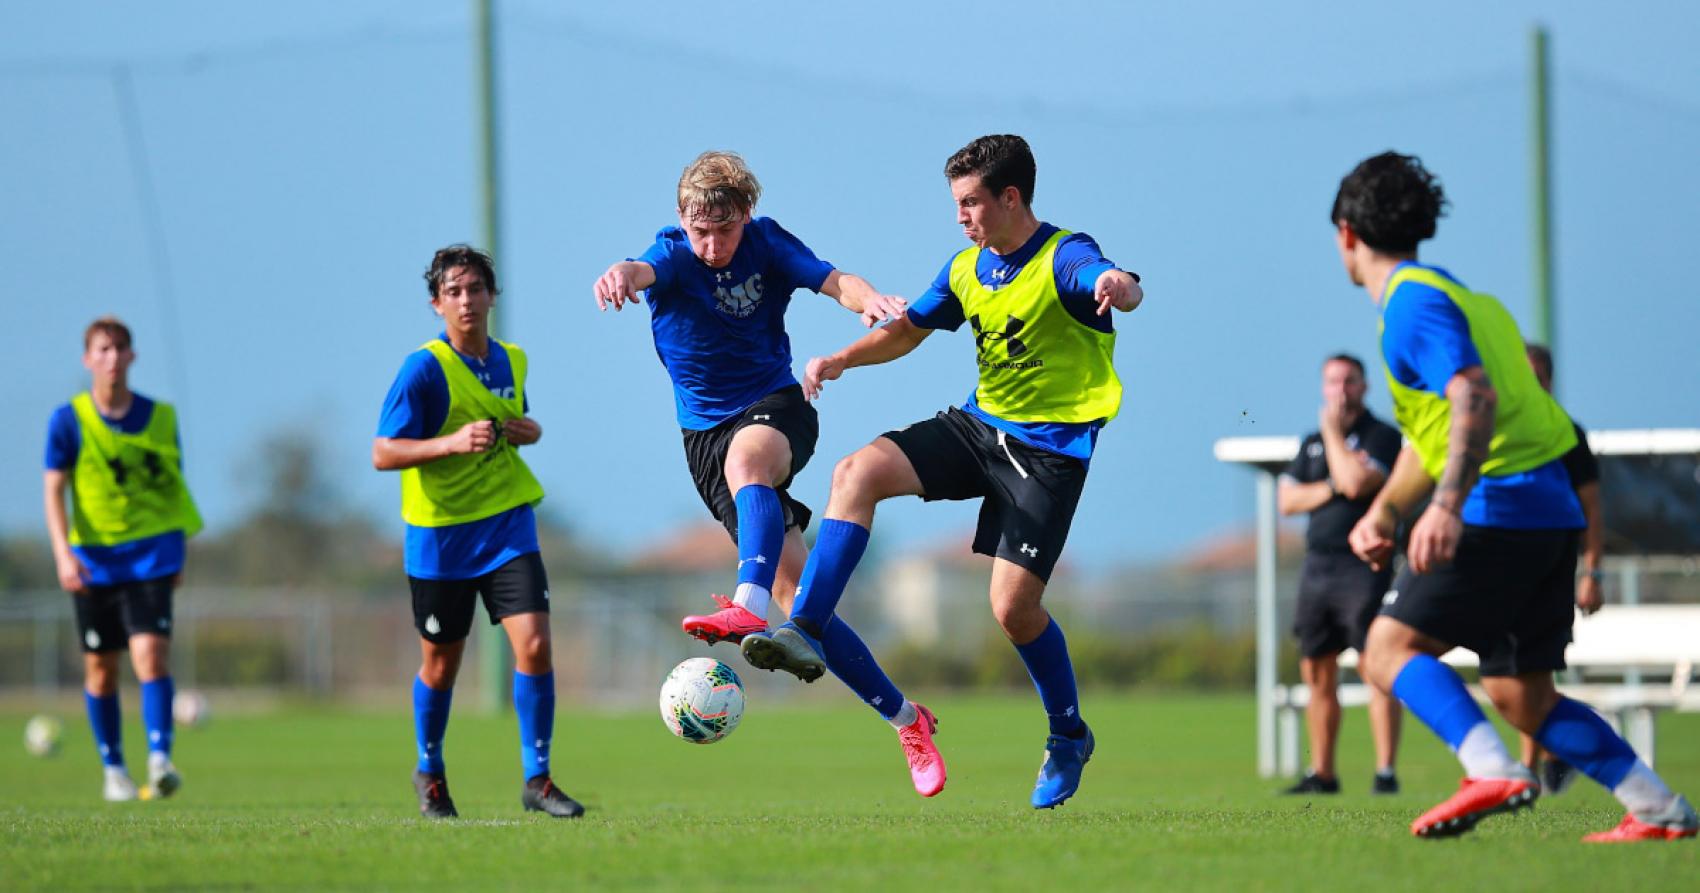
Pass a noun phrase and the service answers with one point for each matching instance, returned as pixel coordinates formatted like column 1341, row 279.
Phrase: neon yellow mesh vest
column 474, row 486
column 1530, row 429
column 1037, row 363
column 127, row 487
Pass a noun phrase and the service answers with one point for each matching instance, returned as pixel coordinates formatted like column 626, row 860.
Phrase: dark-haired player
column 1493, row 557
column 1037, row 299
column 452, row 424
column 120, row 555
column 1334, row 477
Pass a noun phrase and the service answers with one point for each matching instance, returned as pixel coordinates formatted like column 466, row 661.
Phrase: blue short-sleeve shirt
column 1077, row 264
column 415, row 409
column 144, row 559
column 720, row 333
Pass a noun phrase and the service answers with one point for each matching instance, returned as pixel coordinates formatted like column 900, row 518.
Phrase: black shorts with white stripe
column 1028, row 494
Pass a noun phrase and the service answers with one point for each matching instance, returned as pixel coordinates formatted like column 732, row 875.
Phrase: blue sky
column 308, row 158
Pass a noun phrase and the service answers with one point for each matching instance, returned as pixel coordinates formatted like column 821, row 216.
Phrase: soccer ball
column 702, row 700
column 189, row 708
column 41, row 735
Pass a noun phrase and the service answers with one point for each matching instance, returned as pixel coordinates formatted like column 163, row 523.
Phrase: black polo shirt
column 1332, row 522
column 1580, row 462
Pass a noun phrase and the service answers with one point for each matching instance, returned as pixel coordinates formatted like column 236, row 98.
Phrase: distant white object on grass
column 189, row 708
column 42, row 734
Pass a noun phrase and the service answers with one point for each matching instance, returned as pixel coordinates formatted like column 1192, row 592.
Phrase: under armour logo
column 1391, row 597
column 877, row 700
column 1030, row 551
column 759, row 559
column 1069, row 711
column 1015, row 346
column 761, row 418
column 723, row 276
column 432, row 626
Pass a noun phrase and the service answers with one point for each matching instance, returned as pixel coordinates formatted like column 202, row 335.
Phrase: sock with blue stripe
column 1052, row 672
column 761, row 537
column 534, row 702
column 108, row 725
column 156, row 713
column 430, row 723
column 1438, row 697
column 848, row 657
column 1580, row 737
column 837, row 550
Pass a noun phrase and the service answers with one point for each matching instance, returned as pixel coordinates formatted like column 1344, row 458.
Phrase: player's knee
column 532, row 654
column 857, row 475
column 100, row 674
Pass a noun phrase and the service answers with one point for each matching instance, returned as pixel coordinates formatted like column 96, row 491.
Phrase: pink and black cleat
column 729, row 624
column 926, row 767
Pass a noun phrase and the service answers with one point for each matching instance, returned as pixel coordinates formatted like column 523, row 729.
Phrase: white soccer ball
column 42, row 734
column 189, row 708
column 702, row 700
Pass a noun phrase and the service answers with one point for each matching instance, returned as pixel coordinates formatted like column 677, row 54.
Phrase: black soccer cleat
column 1385, row 783
column 541, row 795
column 1314, row 784
column 434, row 799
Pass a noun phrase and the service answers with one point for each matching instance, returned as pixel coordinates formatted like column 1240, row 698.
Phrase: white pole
column 1266, row 644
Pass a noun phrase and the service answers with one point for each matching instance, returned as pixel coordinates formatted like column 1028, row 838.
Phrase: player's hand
column 1588, row 596
column 73, row 577
column 1435, row 538
column 880, row 308
column 473, row 437
column 819, row 371
column 1371, row 538
column 1332, row 416
column 615, row 288
column 522, row 431
column 1116, row 289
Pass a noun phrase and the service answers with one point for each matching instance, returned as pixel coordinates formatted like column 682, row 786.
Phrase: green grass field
column 800, row 798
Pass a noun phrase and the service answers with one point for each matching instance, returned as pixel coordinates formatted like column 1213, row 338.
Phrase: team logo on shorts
column 1391, row 597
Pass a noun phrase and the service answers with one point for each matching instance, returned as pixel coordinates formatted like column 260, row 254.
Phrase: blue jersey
column 415, row 409
column 144, row 559
column 1426, row 340
column 1077, row 266
column 721, row 332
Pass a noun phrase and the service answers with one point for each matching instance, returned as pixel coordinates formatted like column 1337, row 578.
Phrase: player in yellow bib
column 452, row 424
column 1037, row 299
column 1493, row 556
column 121, row 552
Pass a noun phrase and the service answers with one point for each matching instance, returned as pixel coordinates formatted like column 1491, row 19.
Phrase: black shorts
column 785, row 411
column 1029, row 494
column 1508, row 595
column 1338, row 597
column 442, row 609
column 107, row 616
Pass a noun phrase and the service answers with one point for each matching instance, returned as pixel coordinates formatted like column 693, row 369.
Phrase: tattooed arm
column 1434, row 539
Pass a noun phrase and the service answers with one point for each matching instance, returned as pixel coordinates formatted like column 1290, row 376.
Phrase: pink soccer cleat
column 1677, row 822
column 926, row 767
column 1477, row 798
column 729, row 624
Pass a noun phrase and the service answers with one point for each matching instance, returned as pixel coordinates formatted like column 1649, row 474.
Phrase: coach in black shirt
column 1334, row 477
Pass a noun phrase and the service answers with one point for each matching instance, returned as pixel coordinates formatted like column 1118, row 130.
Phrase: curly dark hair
column 1001, row 161
column 459, row 255
column 1391, row 201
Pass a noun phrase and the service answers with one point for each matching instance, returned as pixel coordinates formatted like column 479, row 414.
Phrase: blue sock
column 850, row 660
column 761, row 534
column 837, row 550
column 108, row 727
column 156, row 713
column 430, row 722
column 1438, row 697
column 534, row 701
column 1581, row 738
column 1053, row 675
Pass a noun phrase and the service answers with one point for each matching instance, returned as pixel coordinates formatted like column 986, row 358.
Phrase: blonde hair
column 717, row 187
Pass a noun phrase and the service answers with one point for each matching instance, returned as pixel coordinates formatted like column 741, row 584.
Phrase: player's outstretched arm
column 1118, row 289
column 621, row 283
column 882, row 345
column 857, row 295
column 396, row 453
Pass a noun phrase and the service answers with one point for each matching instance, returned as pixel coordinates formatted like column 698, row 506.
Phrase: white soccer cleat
column 119, row 787
column 163, row 780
